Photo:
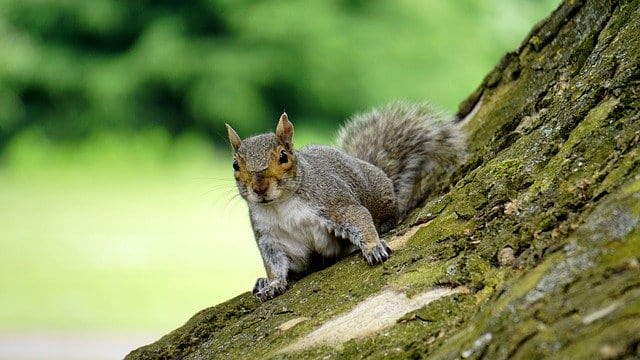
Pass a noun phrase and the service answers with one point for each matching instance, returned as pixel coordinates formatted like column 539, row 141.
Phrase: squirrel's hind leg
column 354, row 222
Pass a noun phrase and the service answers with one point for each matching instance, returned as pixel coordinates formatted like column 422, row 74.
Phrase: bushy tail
column 411, row 143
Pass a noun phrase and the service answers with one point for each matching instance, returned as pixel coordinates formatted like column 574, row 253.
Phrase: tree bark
column 533, row 252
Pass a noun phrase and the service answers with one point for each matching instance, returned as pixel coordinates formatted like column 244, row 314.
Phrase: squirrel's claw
column 264, row 290
column 379, row 254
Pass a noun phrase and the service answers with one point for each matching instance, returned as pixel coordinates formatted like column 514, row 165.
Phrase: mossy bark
column 541, row 226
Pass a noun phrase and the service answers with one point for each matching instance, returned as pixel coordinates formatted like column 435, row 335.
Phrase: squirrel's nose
column 260, row 188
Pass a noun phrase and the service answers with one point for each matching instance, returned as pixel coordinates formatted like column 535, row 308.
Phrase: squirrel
column 327, row 202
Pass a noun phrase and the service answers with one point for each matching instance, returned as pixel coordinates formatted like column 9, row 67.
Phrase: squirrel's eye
column 236, row 167
column 283, row 157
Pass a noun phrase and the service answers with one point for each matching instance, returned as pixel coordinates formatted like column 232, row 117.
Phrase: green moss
column 535, row 41
column 446, row 226
column 611, row 341
column 621, row 170
column 421, row 276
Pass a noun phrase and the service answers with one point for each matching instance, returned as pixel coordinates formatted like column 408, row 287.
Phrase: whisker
column 233, row 197
column 214, row 178
column 222, row 188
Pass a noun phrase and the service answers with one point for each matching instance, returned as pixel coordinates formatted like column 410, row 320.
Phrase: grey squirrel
column 327, row 202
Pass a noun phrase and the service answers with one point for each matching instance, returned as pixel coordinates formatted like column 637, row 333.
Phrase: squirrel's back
column 411, row 143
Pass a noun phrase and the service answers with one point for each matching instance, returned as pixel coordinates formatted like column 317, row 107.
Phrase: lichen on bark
column 553, row 177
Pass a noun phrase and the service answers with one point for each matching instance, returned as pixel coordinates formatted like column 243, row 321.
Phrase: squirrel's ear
column 234, row 139
column 284, row 131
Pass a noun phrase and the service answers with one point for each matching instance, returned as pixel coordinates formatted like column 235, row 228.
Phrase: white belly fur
column 295, row 228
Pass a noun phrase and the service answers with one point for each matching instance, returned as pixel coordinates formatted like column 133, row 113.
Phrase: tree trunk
column 533, row 252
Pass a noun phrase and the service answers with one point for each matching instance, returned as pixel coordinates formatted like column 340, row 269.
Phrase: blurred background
column 118, row 211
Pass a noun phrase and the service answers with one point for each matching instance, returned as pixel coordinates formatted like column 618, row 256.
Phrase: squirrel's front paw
column 378, row 254
column 265, row 290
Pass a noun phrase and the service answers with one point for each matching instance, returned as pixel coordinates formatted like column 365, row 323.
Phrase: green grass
column 119, row 233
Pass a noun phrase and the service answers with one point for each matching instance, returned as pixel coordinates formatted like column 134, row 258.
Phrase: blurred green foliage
column 69, row 69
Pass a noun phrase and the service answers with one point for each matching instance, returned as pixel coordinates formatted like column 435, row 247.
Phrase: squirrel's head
column 265, row 165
